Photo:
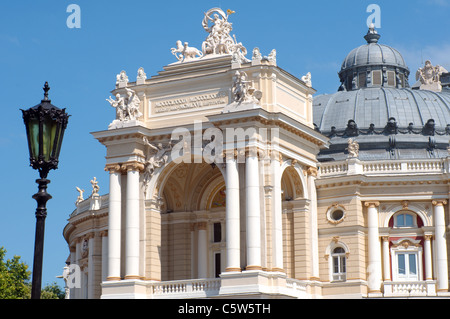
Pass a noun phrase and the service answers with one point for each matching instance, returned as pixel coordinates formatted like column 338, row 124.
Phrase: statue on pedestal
column 242, row 90
column 429, row 77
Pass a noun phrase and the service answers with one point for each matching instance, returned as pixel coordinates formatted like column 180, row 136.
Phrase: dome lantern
column 373, row 65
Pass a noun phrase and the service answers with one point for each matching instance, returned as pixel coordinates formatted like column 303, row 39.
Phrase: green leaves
column 14, row 276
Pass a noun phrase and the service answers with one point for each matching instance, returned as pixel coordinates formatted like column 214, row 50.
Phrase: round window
column 337, row 215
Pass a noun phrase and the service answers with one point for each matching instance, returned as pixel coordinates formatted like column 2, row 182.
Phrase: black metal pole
column 41, row 198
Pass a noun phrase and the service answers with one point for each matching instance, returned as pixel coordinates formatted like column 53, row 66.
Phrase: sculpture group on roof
column 127, row 108
column 218, row 42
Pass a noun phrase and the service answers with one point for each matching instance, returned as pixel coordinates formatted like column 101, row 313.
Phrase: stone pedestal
column 252, row 283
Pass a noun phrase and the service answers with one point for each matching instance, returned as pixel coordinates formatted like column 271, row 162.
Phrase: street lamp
column 45, row 125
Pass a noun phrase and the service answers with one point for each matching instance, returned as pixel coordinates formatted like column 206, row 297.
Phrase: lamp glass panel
column 33, row 128
column 48, row 137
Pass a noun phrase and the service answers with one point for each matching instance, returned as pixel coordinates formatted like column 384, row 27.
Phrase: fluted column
column 232, row 213
column 374, row 268
column 440, row 245
column 132, row 221
column 114, row 222
column 253, row 210
column 428, row 261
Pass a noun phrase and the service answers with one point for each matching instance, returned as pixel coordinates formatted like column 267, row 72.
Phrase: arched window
column 405, row 219
column 339, row 272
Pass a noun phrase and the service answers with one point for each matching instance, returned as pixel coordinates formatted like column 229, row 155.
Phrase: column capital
column 311, row 171
column 251, row 151
column 201, row 225
column 133, row 166
column 439, row 202
column 372, row 204
column 230, row 154
column 275, row 155
column 113, row 168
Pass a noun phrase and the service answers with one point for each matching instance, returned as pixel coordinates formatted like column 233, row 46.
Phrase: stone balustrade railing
column 355, row 166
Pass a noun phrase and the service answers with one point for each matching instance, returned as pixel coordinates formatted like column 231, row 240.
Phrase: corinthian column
column 202, row 250
column 428, row 261
column 374, row 268
column 114, row 221
column 441, row 245
column 277, row 222
column 253, row 211
column 232, row 213
column 132, row 221
column 312, row 174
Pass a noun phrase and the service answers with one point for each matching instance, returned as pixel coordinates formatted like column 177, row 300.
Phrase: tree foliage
column 14, row 277
column 15, row 280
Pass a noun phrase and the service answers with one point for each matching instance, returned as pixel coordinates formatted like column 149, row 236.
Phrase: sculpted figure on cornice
column 126, row 108
column 119, row 105
column 80, row 196
column 185, row 52
column 157, row 157
column 95, row 187
column 430, row 77
column 353, row 148
column 132, row 107
column 218, row 42
column 121, row 78
column 242, row 90
column 429, row 73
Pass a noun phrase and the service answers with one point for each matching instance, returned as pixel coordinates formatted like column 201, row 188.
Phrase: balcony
column 238, row 285
column 410, row 289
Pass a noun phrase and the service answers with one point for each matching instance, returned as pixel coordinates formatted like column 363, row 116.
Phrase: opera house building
column 232, row 178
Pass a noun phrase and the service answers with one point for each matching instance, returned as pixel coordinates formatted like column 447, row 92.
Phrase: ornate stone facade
column 216, row 190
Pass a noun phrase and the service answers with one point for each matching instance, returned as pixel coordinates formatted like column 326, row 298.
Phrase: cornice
column 266, row 118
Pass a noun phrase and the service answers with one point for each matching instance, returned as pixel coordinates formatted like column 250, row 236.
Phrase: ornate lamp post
column 45, row 125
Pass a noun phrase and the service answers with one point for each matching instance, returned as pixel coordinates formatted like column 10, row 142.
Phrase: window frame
column 338, row 261
column 405, row 213
column 407, row 247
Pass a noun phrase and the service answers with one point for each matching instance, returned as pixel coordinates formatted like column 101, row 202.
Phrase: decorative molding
column 372, row 204
column 334, row 207
column 312, row 171
column 133, row 166
column 439, row 202
column 113, row 168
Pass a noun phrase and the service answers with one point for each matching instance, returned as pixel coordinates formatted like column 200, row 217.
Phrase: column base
column 278, row 270
column 253, row 268
column 132, row 277
column 113, row 279
column 231, row 269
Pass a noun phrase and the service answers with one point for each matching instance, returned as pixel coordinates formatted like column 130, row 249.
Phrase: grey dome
column 373, row 65
column 387, row 123
column 376, row 107
column 373, row 54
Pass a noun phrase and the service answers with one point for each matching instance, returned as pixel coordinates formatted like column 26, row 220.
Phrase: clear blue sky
column 81, row 64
